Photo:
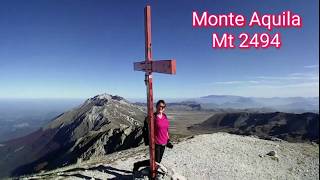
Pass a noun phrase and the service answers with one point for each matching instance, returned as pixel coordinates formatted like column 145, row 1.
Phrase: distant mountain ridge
column 285, row 104
column 287, row 126
column 236, row 103
column 183, row 105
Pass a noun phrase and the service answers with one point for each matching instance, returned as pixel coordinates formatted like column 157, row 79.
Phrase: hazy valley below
column 19, row 117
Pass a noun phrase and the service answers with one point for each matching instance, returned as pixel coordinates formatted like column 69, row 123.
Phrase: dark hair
column 160, row 101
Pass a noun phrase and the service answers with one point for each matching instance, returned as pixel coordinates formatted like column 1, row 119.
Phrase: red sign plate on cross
column 159, row 66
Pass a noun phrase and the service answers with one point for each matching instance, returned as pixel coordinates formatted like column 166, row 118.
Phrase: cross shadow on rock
column 78, row 175
column 117, row 173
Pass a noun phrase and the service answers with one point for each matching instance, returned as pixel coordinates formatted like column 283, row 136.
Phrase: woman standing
column 161, row 135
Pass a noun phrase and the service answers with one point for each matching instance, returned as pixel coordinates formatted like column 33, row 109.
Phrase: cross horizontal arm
column 160, row 66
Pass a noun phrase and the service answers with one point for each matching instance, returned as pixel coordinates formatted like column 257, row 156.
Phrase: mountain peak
column 102, row 99
column 107, row 96
column 103, row 124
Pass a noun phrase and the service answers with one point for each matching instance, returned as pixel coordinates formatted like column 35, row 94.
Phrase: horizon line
column 78, row 98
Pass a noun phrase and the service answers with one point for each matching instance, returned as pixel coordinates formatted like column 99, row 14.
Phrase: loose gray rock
column 272, row 153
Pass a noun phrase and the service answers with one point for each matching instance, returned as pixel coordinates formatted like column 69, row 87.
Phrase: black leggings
column 159, row 153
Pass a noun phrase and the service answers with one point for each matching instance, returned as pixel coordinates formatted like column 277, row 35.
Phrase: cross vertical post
column 148, row 80
column 149, row 66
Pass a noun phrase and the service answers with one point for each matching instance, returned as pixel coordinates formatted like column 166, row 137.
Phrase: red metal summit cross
column 149, row 66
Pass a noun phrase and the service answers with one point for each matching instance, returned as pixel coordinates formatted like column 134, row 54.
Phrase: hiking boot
column 135, row 168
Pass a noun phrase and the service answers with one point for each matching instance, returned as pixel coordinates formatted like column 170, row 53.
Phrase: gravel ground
column 210, row 156
column 226, row 156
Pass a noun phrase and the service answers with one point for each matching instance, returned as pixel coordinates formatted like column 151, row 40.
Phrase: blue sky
column 77, row 49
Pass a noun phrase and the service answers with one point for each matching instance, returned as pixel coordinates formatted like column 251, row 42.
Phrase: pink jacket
column 161, row 129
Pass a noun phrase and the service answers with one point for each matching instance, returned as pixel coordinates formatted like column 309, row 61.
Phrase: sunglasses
column 162, row 107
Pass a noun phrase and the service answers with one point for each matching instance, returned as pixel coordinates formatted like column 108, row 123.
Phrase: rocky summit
column 208, row 156
column 101, row 125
